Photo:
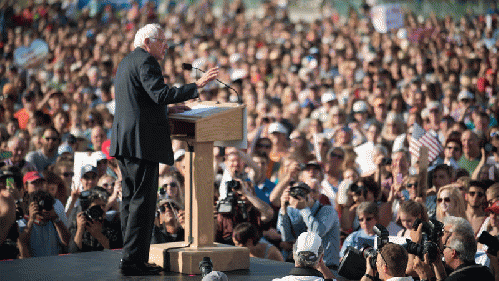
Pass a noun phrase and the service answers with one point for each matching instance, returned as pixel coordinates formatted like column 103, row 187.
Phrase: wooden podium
column 207, row 124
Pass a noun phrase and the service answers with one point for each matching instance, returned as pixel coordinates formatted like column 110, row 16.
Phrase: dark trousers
column 139, row 195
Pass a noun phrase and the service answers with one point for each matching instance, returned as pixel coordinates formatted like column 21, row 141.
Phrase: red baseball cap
column 31, row 176
column 494, row 208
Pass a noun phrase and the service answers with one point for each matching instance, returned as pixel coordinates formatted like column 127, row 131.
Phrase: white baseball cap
column 359, row 106
column 309, row 242
column 328, row 96
column 277, row 127
column 464, row 94
column 178, row 154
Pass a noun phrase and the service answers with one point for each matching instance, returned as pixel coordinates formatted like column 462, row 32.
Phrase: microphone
column 188, row 66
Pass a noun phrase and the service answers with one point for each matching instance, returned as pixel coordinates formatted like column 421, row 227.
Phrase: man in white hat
column 308, row 254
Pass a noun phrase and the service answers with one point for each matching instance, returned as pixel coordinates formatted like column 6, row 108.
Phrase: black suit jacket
column 140, row 128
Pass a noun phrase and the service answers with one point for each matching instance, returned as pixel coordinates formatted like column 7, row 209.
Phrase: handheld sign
column 32, row 56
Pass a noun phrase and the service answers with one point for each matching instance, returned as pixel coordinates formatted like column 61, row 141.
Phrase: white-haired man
column 140, row 139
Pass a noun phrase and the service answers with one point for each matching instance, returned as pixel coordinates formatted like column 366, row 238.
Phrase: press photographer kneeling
column 93, row 231
column 387, row 259
column 241, row 204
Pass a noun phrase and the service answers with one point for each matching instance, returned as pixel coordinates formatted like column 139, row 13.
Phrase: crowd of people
column 334, row 110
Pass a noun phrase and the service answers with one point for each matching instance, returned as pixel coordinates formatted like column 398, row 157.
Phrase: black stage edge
column 103, row 265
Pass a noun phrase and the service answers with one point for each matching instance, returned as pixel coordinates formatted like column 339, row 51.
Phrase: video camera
column 231, row 203
column 432, row 232
column 353, row 265
column 491, row 241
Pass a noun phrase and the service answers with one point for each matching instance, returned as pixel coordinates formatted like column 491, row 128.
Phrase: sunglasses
column 335, row 155
column 473, row 193
column 162, row 209
column 68, row 174
column 264, row 145
column 366, row 219
column 410, row 185
column 172, row 184
column 446, row 199
column 456, row 148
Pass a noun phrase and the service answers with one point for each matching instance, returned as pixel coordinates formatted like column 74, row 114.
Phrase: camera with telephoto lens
column 433, row 230
column 94, row 213
column 232, row 202
column 431, row 233
column 420, row 249
column 353, row 265
column 492, row 242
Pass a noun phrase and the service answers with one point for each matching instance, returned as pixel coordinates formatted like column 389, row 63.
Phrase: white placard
column 386, row 17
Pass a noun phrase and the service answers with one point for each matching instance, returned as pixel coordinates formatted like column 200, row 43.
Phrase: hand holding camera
column 34, row 211
column 285, row 199
column 94, row 227
column 299, row 202
column 299, row 196
column 422, row 268
column 81, row 221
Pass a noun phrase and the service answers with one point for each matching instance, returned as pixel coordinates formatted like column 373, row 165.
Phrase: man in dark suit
column 141, row 139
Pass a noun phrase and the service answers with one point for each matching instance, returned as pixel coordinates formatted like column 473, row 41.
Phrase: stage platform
column 103, row 265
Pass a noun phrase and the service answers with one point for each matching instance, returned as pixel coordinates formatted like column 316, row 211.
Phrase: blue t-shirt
column 357, row 240
column 264, row 189
column 44, row 239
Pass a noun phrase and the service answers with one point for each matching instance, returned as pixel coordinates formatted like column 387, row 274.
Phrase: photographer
column 367, row 213
column 300, row 212
column 391, row 263
column 459, row 249
column 240, row 205
column 459, row 254
column 308, row 254
column 93, row 231
column 168, row 226
column 235, row 163
column 43, row 233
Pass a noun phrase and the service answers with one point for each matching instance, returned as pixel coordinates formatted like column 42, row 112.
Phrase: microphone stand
column 187, row 66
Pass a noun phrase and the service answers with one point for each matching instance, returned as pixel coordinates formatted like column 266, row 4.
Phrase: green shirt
column 468, row 165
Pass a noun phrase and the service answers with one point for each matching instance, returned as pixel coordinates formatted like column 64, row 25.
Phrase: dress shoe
column 139, row 269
